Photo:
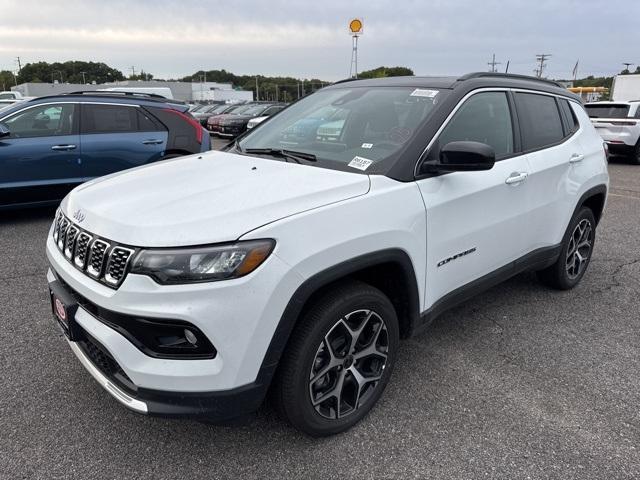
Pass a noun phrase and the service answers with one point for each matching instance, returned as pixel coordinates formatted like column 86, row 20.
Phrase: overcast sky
column 308, row 39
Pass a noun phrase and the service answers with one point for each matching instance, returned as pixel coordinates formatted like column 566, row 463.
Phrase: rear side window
column 607, row 110
column 569, row 116
column 115, row 119
column 485, row 118
column 540, row 121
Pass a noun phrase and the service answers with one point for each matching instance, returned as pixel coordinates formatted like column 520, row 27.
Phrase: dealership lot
column 519, row 382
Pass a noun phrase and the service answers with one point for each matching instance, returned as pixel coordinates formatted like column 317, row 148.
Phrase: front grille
column 97, row 257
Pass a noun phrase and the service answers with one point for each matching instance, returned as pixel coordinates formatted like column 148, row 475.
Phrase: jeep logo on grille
column 78, row 215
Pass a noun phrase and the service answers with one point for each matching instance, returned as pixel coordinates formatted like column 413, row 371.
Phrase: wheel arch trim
column 326, row 277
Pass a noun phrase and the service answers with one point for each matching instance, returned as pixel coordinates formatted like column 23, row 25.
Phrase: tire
column 322, row 345
column 635, row 156
column 572, row 263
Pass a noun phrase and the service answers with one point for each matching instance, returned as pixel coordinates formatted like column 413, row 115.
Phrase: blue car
column 51, row 144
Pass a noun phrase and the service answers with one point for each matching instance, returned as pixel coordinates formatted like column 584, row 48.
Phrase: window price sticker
column 360, row 163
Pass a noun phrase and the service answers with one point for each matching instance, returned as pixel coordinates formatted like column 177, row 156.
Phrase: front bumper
column 231, row 384
column 214, row 406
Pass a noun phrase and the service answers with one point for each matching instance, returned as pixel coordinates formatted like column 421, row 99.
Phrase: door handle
column 153, row 142
column 576, row 157
column 63, row 147
column 516, row 177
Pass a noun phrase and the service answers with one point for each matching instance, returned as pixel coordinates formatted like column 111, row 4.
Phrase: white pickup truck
column 618, row 123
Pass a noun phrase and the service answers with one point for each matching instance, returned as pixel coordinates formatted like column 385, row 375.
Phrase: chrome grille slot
column 96, row 257
column 70, row 241
column 62, row 232
column 117, row 265
column 56, row 228
column 82, row 246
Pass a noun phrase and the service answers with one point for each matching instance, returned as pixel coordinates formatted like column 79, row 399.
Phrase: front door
column 475, row 221
column 40, row 159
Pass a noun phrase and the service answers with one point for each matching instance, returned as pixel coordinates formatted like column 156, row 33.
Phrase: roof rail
column 345, row 80
column 116, row 92
column 514, row 76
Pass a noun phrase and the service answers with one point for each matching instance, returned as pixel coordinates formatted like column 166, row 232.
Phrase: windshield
column 350, row 128
column 255, row 110
column 607, row 111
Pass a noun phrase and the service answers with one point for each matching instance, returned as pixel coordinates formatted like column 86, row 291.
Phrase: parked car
column 618, row 123
column 255, row 121
column 236, row 123
column 205, row 282
column 207, row 110
column 213, row 120
column 51, row 144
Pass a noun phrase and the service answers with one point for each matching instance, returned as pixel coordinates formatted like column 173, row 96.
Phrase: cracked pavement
column 520, row 382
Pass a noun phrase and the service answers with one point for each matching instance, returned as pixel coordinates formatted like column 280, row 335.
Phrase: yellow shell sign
column 355, row 26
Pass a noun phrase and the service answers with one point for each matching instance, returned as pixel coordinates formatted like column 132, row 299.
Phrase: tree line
column 266, row 87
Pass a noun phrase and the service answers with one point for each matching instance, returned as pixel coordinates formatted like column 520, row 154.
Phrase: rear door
column 475, row 221
column 40, row 159
column 115, row 137
column 555, row 156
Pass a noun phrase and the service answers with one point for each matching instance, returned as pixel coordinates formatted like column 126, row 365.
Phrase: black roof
column 468, row 82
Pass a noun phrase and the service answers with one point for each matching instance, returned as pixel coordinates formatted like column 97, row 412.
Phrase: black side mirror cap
column 463, row 156
column 4, row 130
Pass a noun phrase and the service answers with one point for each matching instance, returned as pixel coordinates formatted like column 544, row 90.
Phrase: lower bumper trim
column 122, row 397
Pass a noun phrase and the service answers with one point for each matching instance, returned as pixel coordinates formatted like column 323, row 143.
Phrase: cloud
column 309, row 39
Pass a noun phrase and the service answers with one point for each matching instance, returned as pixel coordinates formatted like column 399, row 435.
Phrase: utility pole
column 19, row 65
column 541, row 58
column 277, row 96
column 84, row 80
column 257, row 91
column 133, row 71
column 493, row 64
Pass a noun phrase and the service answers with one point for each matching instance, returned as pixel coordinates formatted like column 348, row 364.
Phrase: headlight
column 202, row 264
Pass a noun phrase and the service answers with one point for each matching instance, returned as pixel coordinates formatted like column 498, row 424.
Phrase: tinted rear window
column 607, row 111
column 540, row 120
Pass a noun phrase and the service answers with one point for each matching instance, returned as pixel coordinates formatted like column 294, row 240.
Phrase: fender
column 593, row 191
column 325, row 277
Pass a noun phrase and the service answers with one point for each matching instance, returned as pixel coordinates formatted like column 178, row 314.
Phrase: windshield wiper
column 286, row 154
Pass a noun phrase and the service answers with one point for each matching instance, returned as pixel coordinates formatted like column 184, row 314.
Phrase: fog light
column 189, row 335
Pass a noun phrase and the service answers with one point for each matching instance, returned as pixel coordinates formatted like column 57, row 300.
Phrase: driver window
column 484, row 118
column 42, row 121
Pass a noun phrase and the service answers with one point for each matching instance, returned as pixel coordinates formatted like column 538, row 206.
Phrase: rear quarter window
column 540, row 121
column 569, row 116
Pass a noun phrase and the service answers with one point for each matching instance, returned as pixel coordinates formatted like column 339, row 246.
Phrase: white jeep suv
column 619, row 125
column 193, row 286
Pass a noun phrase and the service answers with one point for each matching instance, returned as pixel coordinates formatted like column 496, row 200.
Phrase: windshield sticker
column 421, row 92
column 367, row 145
column 360, row 163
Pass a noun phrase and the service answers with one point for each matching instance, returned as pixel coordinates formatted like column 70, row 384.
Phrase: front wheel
column 339, row 360
column 575, row 256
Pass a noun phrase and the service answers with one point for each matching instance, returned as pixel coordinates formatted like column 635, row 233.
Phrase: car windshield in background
column 607, row 111
column 255, row 110
column 355, row 129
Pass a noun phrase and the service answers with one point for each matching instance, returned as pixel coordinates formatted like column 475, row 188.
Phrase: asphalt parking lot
column 521, row 382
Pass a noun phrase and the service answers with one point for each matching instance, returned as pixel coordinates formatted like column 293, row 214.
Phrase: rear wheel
column 576, row 253
column 635, row 156
column 339, row 360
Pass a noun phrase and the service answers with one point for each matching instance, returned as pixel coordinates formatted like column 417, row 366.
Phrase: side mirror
column 4, row 130
column 463, row 157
